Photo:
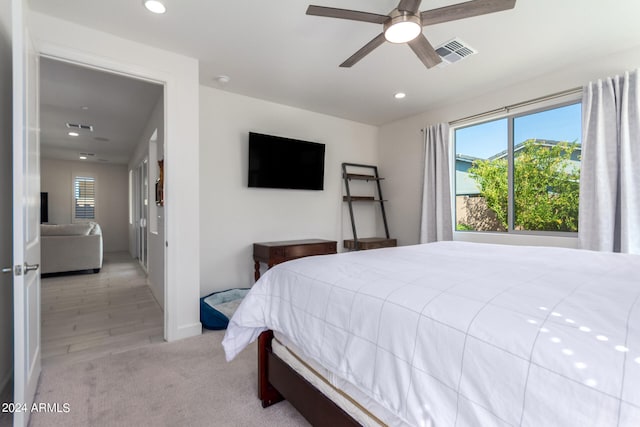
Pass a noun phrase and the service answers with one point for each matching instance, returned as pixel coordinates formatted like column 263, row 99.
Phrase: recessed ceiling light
column 83, row 157
column 223, row 80
column 155, row 6
column 74, row 134
column 84, row 107
column 399, row 95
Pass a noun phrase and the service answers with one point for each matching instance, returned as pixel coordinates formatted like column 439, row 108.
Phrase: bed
column 449, row 334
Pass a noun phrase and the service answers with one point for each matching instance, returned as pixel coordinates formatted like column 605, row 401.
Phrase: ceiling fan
column 404, row 24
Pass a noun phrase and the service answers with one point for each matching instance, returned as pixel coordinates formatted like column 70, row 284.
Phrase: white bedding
column 462, row 334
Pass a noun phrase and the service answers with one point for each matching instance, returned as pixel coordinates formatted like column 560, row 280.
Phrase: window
column 520, row 173
column 84, row 195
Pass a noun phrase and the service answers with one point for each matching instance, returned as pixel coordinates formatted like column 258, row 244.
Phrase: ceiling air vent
column 454, row 50
column 87, row 154
column 78, row 126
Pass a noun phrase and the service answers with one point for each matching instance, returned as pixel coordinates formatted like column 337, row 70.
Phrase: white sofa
column 70, row 247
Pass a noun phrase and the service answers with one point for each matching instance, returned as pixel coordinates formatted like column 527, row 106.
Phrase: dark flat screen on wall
column 44, row 207
column 276, row 162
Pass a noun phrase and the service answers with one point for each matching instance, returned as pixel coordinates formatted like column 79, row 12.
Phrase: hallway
column 90, row 315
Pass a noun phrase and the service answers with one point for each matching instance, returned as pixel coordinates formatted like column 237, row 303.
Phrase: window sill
column 516, row 239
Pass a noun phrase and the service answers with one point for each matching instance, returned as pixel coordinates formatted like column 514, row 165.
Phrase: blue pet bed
column 217, row 308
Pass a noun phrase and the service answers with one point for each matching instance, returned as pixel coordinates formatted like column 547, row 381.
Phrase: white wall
column 401, row 149
column 234, row 216
column 6, row 284
column 179, row 73
column 56, row 178
column 155, row 239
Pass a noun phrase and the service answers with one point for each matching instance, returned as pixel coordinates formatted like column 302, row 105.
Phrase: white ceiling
column 117, row 108
column 273, row 51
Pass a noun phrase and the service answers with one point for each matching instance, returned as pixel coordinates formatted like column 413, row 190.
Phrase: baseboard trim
column 185, row 331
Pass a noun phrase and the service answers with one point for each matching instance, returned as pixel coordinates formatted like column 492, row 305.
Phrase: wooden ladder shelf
column 367, row 242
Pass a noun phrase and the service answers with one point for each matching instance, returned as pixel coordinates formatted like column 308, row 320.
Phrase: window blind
column 85, row 197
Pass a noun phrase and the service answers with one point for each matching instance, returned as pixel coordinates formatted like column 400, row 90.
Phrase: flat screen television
column 277, row 162
column 44, row 207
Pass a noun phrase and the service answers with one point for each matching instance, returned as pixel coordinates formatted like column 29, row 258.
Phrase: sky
column 489, row 138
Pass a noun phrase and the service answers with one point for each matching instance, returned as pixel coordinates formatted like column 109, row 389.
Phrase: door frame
column 92, row 61
column 179, row 73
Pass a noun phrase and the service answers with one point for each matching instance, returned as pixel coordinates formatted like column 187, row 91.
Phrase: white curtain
column 609, row 216
column 435, row 223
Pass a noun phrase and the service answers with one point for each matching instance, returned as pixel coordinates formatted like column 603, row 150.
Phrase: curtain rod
column 518, row 105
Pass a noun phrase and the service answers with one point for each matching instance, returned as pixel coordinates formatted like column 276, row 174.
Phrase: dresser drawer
column 298, row 251
column 272, row 253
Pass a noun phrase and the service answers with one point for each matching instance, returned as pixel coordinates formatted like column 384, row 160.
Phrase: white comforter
column 461, row 334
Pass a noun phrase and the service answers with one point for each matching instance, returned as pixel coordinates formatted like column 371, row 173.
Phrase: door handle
column 30, row 267
column 7, row 270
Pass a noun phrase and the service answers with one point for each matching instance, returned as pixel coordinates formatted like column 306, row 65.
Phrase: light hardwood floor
column 89, row 315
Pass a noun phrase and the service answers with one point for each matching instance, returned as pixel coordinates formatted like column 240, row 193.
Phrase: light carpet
column 185, row 383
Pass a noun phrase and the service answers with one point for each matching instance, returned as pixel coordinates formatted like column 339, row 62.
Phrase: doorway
column 98, row 123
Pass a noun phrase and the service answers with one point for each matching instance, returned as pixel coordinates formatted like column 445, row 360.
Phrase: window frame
column 511, row 117
column 74, row 180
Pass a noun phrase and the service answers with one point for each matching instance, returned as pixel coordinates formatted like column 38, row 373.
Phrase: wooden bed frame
column 278, row 381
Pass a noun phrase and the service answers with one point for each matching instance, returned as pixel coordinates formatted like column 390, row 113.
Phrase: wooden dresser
column 272, row 253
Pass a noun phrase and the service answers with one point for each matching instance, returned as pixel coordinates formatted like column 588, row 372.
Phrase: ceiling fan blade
column 410, row 6
column 366, row 49
column 423, row 49
column 465, row 10
column 353, row 15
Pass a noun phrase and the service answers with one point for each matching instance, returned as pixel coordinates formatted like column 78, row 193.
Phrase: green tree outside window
column 546, row 186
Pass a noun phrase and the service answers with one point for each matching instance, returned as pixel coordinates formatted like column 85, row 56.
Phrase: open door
column 26, row 213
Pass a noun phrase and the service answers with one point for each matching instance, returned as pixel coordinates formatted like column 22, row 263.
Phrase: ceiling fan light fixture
column 402, row 27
